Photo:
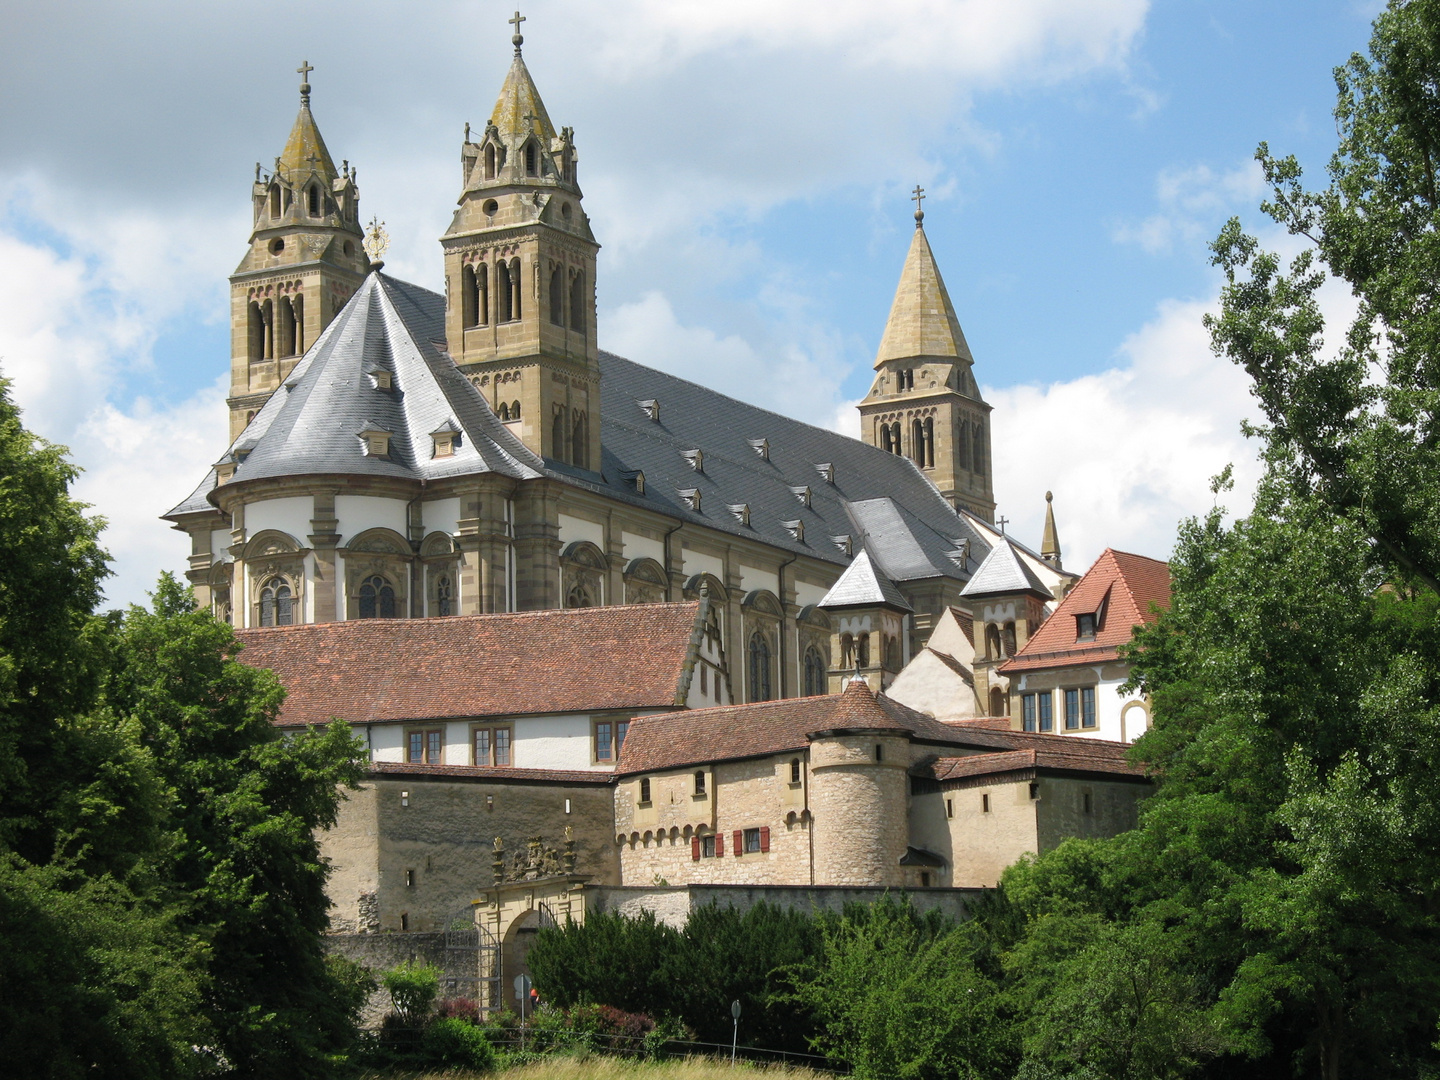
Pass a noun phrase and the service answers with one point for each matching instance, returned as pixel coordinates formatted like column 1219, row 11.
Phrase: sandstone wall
column 860, row 809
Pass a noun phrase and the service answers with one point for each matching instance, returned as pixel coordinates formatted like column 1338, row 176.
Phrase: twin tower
column 520, row 263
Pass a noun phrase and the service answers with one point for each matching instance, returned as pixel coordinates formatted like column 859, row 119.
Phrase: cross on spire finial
column 918, row 196
column 517, row 40
column 1002, row 523
column 304, row 72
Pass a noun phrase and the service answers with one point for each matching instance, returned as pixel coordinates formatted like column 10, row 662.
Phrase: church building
column 402, row 453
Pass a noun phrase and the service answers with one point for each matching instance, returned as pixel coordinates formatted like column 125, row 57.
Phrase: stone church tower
column 924, row 403
column 305, row 261
column 520, row 278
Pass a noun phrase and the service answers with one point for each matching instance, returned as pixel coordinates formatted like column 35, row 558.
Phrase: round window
column 276, row 246
column 491, row 206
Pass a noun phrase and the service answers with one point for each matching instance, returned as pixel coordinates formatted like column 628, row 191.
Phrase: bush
column 458, row 1008
column 456, row 1043
column 413, row 988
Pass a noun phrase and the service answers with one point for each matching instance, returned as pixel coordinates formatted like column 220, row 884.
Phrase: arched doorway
column 519, row 937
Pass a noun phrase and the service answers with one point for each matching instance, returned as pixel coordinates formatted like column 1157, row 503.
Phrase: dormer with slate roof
column 520, row 276
column 304, row 262
column 1007, row 601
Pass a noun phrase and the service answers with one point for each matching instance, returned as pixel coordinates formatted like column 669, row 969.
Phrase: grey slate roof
column 312, row 424
column 861, row 584
column 859, row 497
column 1003, row 571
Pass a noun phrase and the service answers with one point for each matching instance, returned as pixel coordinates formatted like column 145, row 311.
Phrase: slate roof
column 860, row 584
column 1124, row 590
column 1004, row 571
column 312, row 424
column 534, row 662
column 812, row 491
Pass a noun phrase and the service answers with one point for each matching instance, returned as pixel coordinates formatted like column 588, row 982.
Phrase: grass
column 604, row 1067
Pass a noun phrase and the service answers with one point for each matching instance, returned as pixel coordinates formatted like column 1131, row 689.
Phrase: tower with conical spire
column 304, row 262
column 520, row 276
column 924, row 402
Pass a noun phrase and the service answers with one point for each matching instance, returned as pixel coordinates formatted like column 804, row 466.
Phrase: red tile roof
column 560, row 661
column 488, row 772
column 1127, row 587
column 731, row 732
column 1068, row 755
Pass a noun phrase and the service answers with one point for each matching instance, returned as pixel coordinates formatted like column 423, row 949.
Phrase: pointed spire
column 862, row 584
column 305, row 150
column 1050, row 543
column 519, row 110
column 922, row 320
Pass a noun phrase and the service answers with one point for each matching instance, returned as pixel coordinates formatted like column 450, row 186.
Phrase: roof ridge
column 453, row 619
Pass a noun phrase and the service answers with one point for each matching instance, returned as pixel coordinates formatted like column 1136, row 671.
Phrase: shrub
column 456, row 1043
column 413, row 988
column 458, row 1008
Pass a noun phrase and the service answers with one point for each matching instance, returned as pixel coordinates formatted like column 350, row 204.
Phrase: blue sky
column 747, row 169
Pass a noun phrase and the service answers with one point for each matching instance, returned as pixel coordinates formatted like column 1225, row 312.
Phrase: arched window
column 917, row 442
column 979, row 447
column 847, row 652
column 964, row 443
column 297, row 306
column 515, row 410
column 489, row 161
column 515, row 312
column 530, row 156
column 557, row 296
column 444, row 595
column 377, row 599
column 992, row 642
column 760, row 687
column 275, row 201
column 997, row 702
column 895, row 437
column 930, row 441
column 286, row 328
column 579, row 441
column 578, row 320
column 504, row 294
column 885, row 439
column 1007, row 638
column 256, row 321
column 892, row 653
column 579, row 596
column 862, row 650
column 314, row 200
column 504, row 411
column 557, row 435
column 469, row 297
column 815, row 681
column 277, row 606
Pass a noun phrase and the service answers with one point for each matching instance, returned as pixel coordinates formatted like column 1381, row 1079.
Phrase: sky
column 747, row 167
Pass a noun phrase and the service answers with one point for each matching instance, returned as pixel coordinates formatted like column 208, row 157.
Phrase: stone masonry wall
column 860, row 807
column 673, row 906
column 654, row 839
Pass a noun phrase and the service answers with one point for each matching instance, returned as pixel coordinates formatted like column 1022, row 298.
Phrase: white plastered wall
column 441, row 515
column 290, row 515
column 643, row 547
column 573, row 529
column 358, row 513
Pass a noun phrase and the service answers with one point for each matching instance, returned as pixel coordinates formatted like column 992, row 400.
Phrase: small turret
column 869, row 639
column 1050, row 542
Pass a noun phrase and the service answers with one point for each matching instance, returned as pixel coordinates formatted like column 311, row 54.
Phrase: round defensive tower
column 859, row 793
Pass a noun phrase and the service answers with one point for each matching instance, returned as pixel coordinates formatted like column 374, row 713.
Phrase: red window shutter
column 739, row 843
column 719, row 845
column 695, row 848
column 764, row 837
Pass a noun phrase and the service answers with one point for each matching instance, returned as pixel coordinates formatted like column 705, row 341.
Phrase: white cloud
column 1192, row 203
column 1128, row 452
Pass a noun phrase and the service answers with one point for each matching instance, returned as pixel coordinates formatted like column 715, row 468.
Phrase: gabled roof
column 312, row 424
column 518, row 99
column 861, row 585
column 1121, row 589
column 907, row 548
column 535, row 662
column 1002, row 572
column 1063, row 755
column 922, row 320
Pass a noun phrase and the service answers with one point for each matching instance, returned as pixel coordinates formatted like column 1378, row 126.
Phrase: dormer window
column 445, row 438
column 225, row 471
column 741, row 512
column 845, row 542
column 314, row 196
column 377, row 442
column 696, row 458
column 691, row 497
column 761, row 447
column 1085, row 626
column 637, row 479
column 803, row 494
column 531, row 166
column 826, row 469
column 651, row 408
column 795, row 529
column 380, row 378
column 489, row 161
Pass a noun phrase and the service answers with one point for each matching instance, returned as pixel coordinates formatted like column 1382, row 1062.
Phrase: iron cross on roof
column 918, row 196
column 1002, row 523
